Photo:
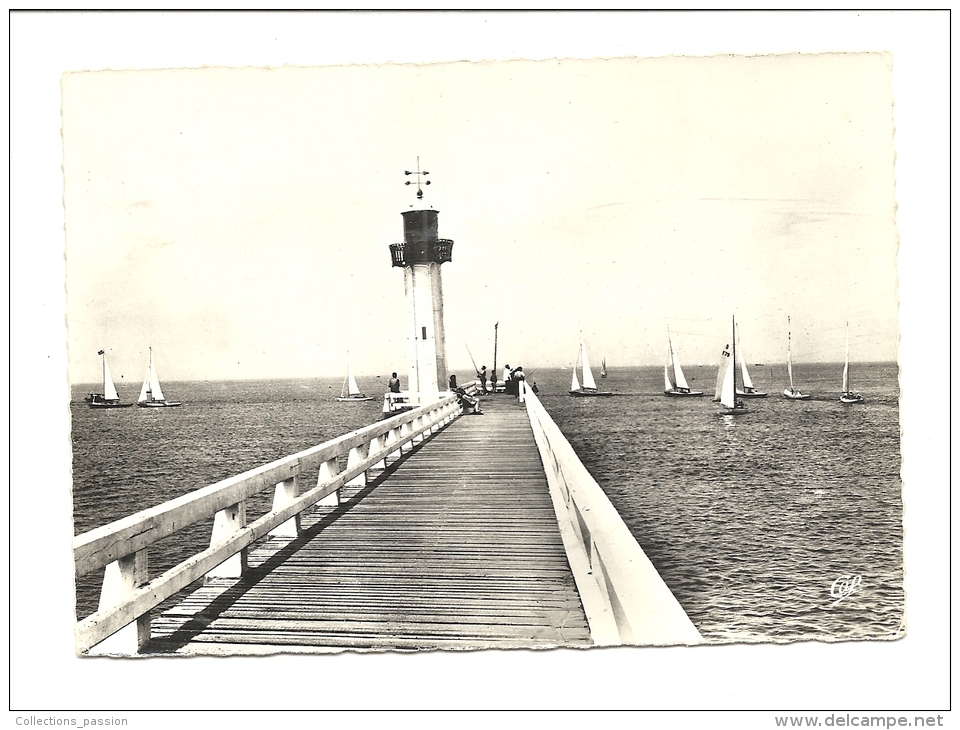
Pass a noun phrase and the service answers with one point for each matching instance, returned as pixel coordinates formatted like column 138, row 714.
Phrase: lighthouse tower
column 420, row 255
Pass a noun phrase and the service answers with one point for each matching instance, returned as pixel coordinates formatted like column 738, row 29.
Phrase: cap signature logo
column 844, row 586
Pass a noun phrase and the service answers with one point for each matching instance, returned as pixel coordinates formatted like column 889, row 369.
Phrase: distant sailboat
column 676, row 386
column 748, row 390
column 589, row 387
column 350, row 391
column 603, row 368
column 109, row 398
column 848, row 396
column 792, row 393
column 729, row 396
column 151, row 396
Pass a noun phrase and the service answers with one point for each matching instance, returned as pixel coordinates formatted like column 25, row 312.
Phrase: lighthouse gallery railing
column 120, row 548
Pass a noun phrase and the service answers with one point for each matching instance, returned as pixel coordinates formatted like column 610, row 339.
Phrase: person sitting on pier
column 394, row 383
column 469, row 404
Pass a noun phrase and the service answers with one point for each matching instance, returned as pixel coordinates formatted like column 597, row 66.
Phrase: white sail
column 352, row 387
column 145, row 388
column 574, row 384
column 789, row 358
column 109, row 389
column 728, row 395
column 677, row 370
column 154, row 380
column 588, row 381
column 667, row 385
column 150, row 390
column 747, row 382
column 721, row 371
column 846, row 367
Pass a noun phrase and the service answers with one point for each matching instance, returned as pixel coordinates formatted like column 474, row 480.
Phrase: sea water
column 781, row 524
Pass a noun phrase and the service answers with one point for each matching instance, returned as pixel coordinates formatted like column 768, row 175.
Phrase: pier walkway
column 454, row 547
column 427, row 530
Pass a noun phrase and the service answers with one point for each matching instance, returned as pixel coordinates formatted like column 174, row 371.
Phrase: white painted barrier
column 122, row 621
column 623, row 595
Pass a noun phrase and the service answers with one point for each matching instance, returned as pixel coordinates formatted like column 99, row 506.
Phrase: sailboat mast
column 789, row 356
column 846, row 362
column 580, row 355
column 670, row 382
column 493, row 384
column 734, row 350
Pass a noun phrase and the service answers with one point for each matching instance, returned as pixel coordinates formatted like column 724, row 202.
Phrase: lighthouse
column 420, row 256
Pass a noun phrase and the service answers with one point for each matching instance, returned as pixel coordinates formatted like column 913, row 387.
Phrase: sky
column 541, row 240
column 238, row 220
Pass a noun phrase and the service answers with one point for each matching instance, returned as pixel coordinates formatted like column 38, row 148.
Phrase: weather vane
column 418, row 172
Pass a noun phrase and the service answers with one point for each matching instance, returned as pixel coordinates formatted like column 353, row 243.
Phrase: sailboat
column 748, row 391
column 350, row 391
column 109, row 398
column 677, row 386
column 729, row 395
column 151, row 396
column 848, row 396
column 589, row 387
column 603, row 368
column 792, row 393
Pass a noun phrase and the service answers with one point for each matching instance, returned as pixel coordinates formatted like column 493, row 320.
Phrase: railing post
column 390, row 440
column 225, row 523
column 416, row 426
column 284, row 494
column 376, row 448
column 120, row 578
column 354, row 458
column 404, row 432
column 329, row 470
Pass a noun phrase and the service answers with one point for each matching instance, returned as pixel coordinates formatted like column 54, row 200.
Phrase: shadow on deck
column 455, row 546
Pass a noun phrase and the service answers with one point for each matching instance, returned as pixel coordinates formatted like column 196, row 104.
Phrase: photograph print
column 564, row 353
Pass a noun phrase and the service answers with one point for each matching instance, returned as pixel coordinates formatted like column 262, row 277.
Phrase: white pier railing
column 121, row 624
column 623, row 595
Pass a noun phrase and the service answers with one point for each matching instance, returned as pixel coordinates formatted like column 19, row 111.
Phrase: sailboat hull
column 851, row 398
column 683, row 393
column 588, row 393
column 159, row 404
column 104, row 404
column 734, row 412
column 355, row 398
column 795, row 395
column 750, row 394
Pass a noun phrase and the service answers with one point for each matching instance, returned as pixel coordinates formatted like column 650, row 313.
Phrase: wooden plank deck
column 454, row 547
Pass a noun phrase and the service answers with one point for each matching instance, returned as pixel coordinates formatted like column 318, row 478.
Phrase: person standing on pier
column 518, row 378
column 394, row 383
column 483, row 379
column 507, row 374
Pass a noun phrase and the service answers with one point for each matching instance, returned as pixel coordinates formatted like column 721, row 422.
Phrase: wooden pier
column 455, row 547
column 429, row 530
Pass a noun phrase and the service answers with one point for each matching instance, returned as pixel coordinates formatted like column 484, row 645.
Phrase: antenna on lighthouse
column 418, row 172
